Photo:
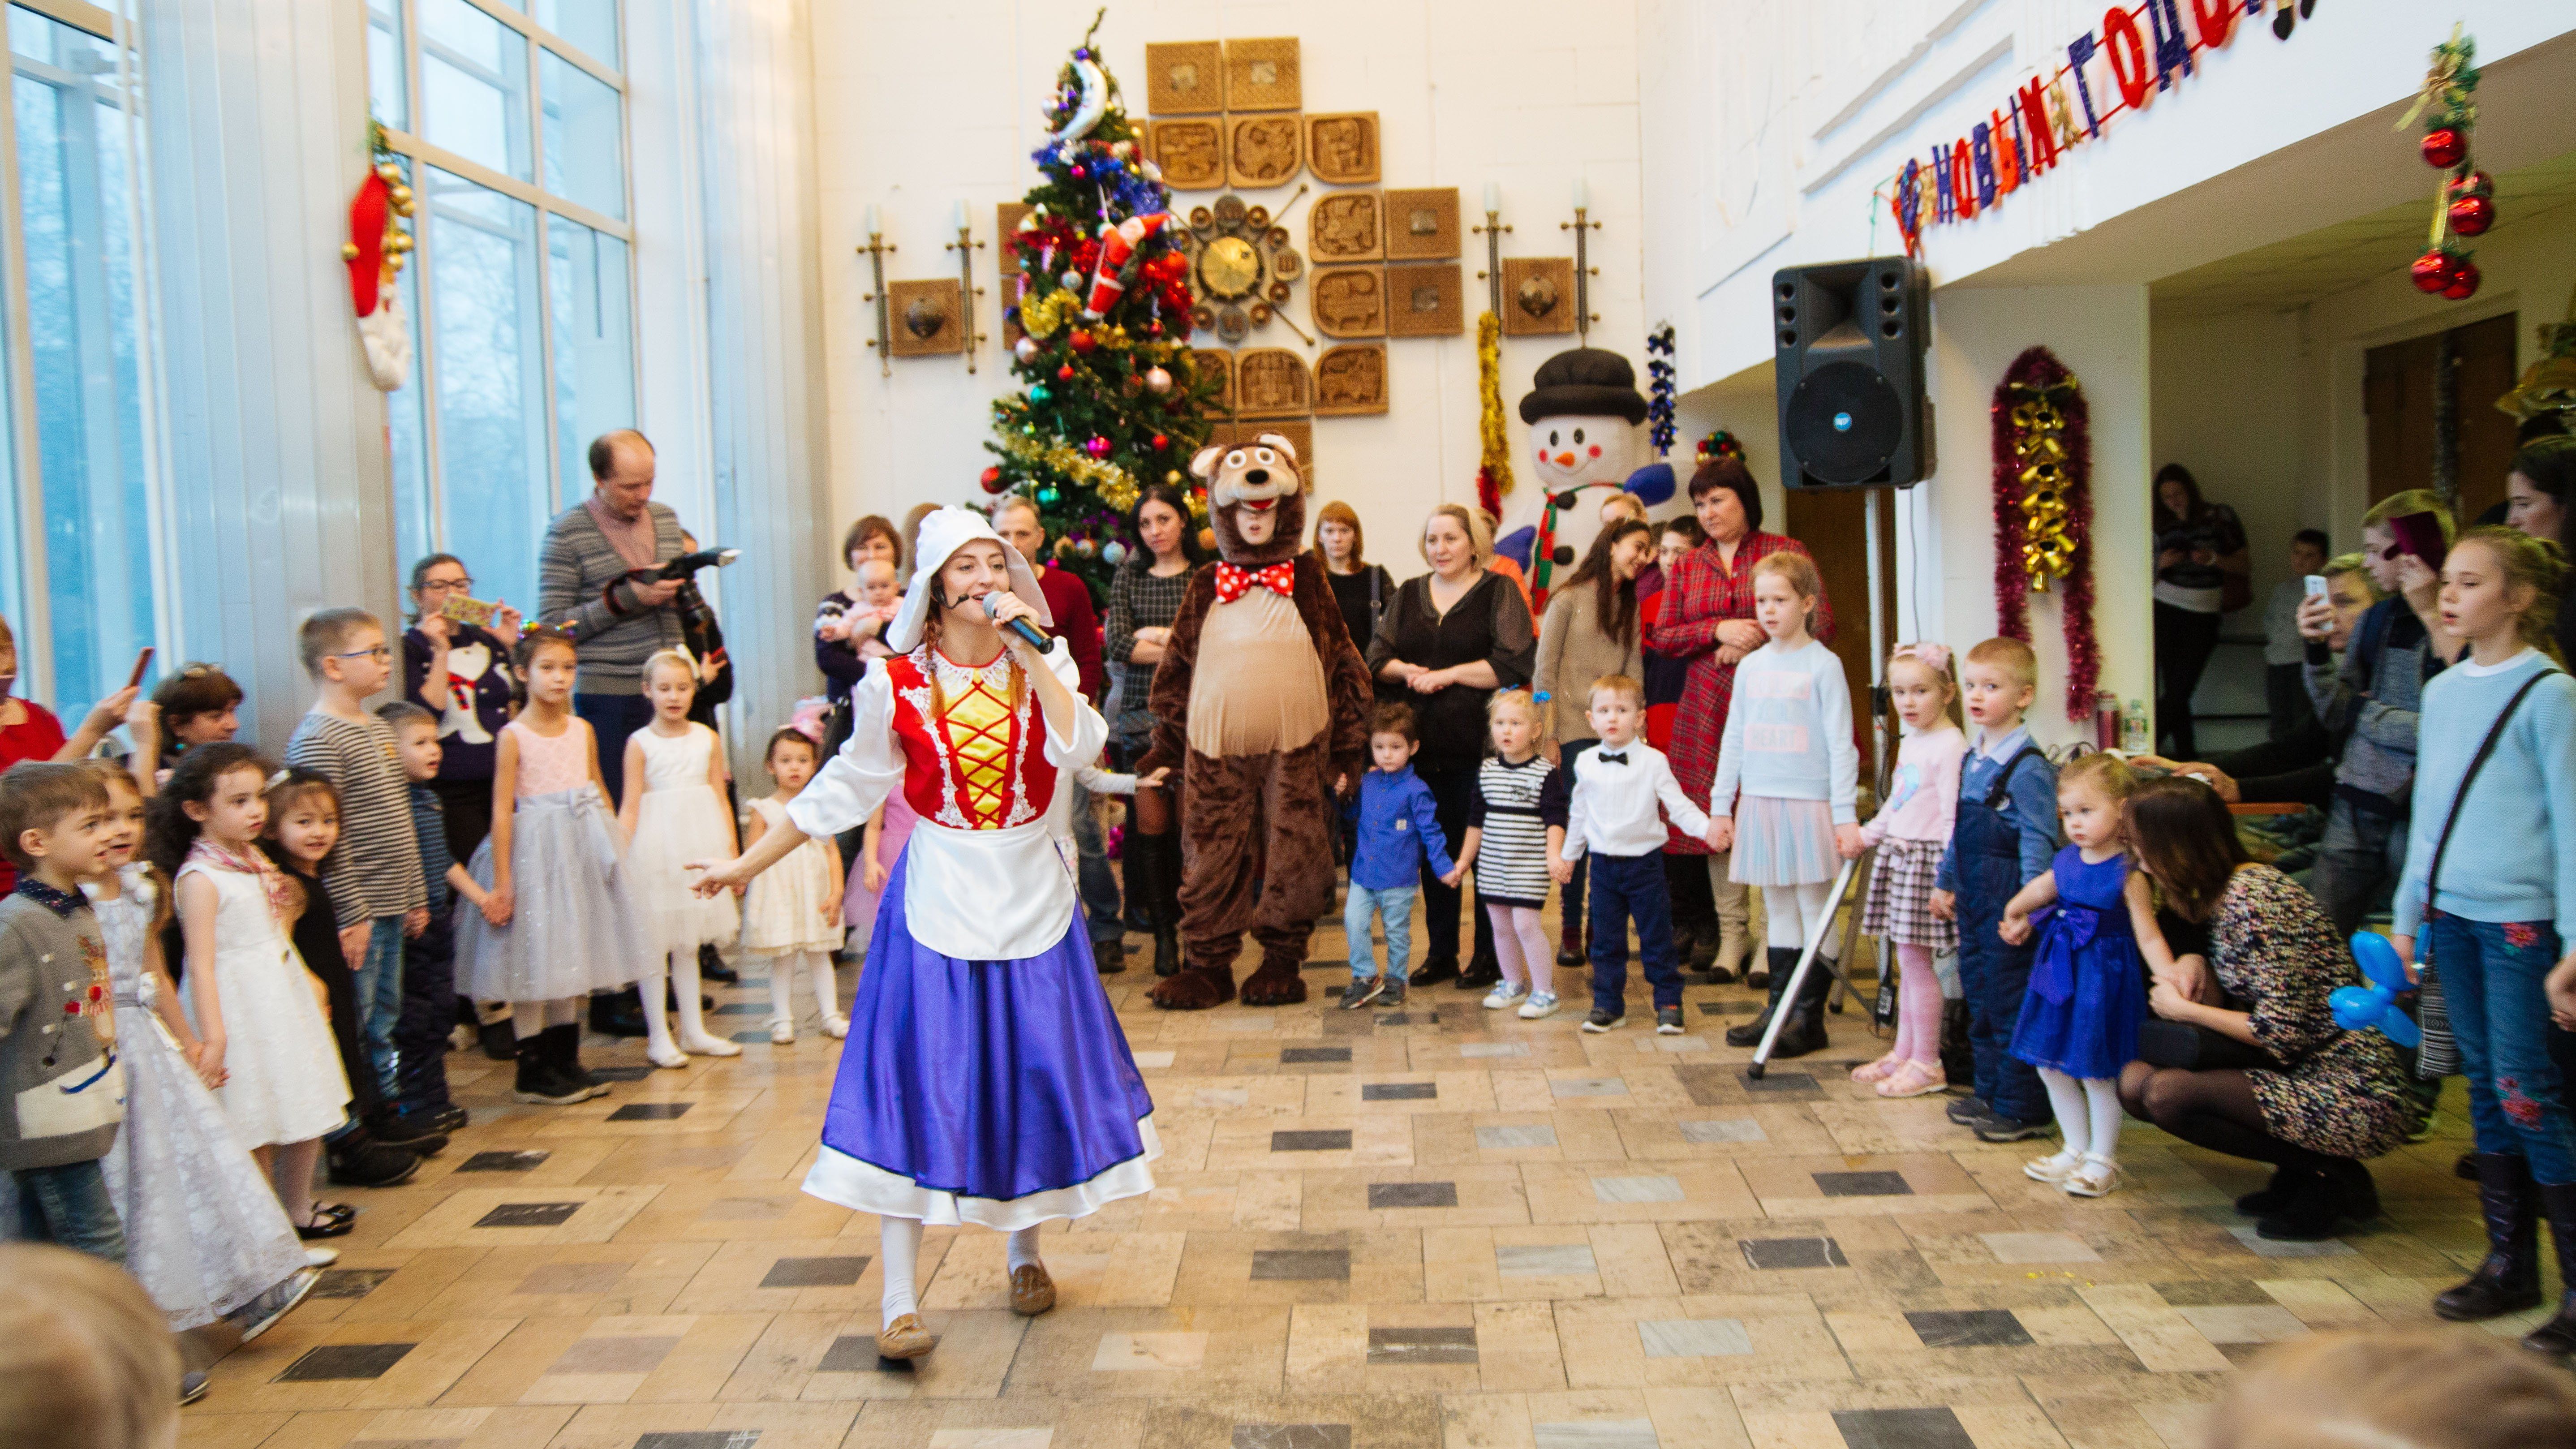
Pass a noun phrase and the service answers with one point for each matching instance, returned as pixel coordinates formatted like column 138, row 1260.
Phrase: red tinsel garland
column 2037, row 371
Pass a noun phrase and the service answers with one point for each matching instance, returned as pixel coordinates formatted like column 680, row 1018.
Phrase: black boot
column 617, row 1013
column 2335, row 1188
column 1570, row 947
column 537, row 1081
column 712, row 967
column 2509, row 1279
column 2276, row 1195
column 2558, row 1335
column 1483, row 970
column 1777, row 977
column 1805, row 1031
column 563, row 1053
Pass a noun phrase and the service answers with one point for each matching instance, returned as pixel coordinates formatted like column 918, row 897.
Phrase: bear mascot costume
column 1261, row 703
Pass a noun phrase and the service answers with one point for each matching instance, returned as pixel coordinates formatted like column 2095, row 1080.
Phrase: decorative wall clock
column 1241, row 266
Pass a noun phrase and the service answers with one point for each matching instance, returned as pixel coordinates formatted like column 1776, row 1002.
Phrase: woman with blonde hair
column 1450, row 639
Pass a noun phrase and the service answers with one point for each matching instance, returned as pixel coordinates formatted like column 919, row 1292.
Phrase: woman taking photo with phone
column 456, row 665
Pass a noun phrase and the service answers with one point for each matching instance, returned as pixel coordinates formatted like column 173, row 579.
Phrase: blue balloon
column 2374, row 1007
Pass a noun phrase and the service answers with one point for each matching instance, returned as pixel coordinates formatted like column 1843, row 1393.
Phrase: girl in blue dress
column 2079, row 1019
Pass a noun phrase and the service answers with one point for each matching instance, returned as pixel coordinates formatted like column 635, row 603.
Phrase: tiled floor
column 1442, row 1228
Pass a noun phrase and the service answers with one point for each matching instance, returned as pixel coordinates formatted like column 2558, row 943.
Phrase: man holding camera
column 587, row 582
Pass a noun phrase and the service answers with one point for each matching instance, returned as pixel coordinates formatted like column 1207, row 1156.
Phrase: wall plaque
column 1262, row 75
column 1538, row 296
column 1006, row 226
column 1272, row 382
column 1422, row 222
column 1263, row 151
column 927, row 319
column 1217, row 363
column 1343, row 226
column 1351, row 380
column 1349, row 301
column 1341, row 148
column 1191, row 153
column 1185, row 78
column 1424, row 301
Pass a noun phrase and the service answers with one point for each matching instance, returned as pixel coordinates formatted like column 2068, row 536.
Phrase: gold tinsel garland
column 1115, row 485
column 1042, row 317
column 1494, row 465
column 2039, row 445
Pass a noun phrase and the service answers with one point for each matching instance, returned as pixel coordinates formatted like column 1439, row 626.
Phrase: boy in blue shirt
column 2004, row 838
column 1398, row 826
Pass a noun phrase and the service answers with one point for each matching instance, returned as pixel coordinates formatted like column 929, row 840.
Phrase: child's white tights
column 529, row 1018
column 1521, row 948
column 2088, row 1114
column 660, row 1047
column 1790, row 915
column 782, row 992
column 899, row 1254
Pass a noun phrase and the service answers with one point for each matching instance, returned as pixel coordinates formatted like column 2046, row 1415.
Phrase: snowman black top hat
column 1584, row 381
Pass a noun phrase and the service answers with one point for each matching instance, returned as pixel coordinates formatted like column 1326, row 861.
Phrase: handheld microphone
column 1027, row 632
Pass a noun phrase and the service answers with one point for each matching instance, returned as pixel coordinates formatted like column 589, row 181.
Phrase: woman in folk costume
column 986, row 1079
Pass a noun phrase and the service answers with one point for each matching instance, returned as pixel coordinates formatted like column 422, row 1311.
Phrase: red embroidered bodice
column 973, row 741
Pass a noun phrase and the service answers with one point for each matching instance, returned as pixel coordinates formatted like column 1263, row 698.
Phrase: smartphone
column 2421, row 535
column 2316, row 586
column 142, row 662
column 463, row 610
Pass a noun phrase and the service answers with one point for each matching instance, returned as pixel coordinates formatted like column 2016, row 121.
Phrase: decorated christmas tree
column 1109, row 399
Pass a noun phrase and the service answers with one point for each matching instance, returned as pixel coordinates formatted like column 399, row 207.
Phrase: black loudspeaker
column 1850, row 373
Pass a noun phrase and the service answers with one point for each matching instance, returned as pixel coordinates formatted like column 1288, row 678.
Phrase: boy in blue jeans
column 1618, row 784
column 1399, row 826
column 2004, row 838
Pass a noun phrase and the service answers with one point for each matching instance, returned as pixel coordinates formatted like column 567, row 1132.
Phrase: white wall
column 2230, row 406
column 919, row 107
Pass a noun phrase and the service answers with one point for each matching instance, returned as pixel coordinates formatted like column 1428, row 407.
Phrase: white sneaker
column 782, row 1032
column 836, row 1027
column 1541, row 1003
column 1504, row 994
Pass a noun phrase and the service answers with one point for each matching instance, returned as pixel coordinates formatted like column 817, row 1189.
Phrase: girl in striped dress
column 1515, row 827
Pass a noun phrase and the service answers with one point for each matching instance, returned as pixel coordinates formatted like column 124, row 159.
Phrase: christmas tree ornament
column 1157, row 382
column 1161, row 442
column 374, row 255
column 1072, row 280
column 993, row 481
column 1097, row 447
column 1026, row 349
column 1064, row 373
column 1113, row 553
column 2464, row 204
column 1084, row 342
column 1038, row 393
column 1173, row 477
column 1049, row 495
column 1085, row 547
column 1064, row 548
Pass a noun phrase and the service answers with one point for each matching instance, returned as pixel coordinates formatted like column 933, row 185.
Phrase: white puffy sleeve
column 853, row 783
column 1090, row 731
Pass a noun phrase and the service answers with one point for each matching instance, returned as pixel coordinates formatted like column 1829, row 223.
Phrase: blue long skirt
column 1000, row 1093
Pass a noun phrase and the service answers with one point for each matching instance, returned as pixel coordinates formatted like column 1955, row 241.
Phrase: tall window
column 76, row 575
column 511, row 116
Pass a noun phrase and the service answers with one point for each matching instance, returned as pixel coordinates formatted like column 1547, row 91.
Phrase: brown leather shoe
column 905, row 1338
column 1032, row 1291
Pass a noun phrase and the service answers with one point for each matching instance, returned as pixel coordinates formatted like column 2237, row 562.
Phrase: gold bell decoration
column 2039, row 447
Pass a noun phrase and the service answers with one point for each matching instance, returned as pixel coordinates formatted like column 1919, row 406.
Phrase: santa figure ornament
column 1583, row 409
column 375, row 252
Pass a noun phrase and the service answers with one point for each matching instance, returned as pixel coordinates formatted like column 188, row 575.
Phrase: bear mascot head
column 1256, row 500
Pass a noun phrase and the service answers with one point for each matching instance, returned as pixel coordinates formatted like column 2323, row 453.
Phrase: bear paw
column 1275, row 984
column 1196, row 989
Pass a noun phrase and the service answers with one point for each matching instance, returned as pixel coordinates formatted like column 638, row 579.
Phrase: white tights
column 1521, row 948
column 2087, row 1111
column 1791, row 914
column 659, row 1045
column 528, row 1018
column 782, row 985
column 899, row 1252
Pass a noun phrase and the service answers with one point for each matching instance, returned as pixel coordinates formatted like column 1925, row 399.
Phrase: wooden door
column 2397, row 401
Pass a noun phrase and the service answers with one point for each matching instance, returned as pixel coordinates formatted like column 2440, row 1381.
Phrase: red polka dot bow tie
column 1233, row 583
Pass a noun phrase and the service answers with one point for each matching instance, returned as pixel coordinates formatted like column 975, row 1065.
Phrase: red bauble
column 1064, row 373
column 2472, row 215
column 2431, row 271
column 993, row 480
column 2464, row 281
column 1161, row 442
column 2444, row 147
column 1084, row 342
column 1153, row 328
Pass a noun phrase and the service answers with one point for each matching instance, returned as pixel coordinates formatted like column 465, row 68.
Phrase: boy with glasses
column 374, row 872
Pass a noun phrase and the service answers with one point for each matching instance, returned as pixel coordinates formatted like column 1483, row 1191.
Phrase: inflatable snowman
column 1583, row 409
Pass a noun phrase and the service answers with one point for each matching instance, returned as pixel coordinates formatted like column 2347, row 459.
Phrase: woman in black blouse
column 1363, row 589
column 1144, row 597
column 1451, row 638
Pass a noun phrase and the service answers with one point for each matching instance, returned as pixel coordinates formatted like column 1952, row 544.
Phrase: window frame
column 417, row 151
column 31, row 610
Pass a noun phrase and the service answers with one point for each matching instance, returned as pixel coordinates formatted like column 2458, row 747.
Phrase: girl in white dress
column 256, row 1011
column 792, row 916
column 203, row 1231
column 557, row 921
column 674, row 813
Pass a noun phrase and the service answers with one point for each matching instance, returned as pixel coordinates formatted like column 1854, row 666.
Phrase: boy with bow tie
column 1617, row 786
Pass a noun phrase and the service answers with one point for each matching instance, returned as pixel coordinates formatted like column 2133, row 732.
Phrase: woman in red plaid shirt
column 1706, row 618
